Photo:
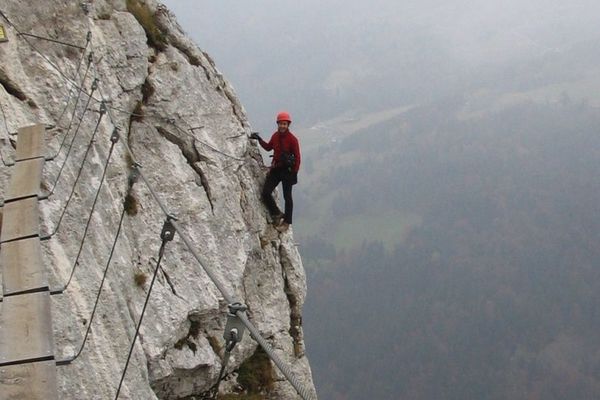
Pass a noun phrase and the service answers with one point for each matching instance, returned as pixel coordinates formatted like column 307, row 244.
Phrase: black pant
column 288, row 179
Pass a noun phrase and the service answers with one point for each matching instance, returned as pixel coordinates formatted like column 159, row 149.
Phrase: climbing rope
column 114, row 139
column 166, row 236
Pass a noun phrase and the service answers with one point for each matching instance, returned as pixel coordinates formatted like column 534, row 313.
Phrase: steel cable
column 80, row 170
column 255, row 333
column 91, row 318
column 72, row 140
column 73, row 84
column 50, row 40
column 286, row 371
column 72, row 89
column 166, row 236
column 64, row 139
column 114, row 139
column 37, row 50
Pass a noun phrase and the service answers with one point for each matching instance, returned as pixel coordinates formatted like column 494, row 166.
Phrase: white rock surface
column 193, row 148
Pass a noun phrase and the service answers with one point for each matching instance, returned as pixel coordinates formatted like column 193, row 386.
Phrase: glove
column 255, row 136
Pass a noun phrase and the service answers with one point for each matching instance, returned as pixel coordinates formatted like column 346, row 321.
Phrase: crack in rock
column 170, row 283
column 295, row 308
column 191, row 154
column 11, row 88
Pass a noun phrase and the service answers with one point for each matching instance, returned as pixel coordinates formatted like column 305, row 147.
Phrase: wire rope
column 50, row 40
column 91, row 318
column 72, row 141
column 71, row 88
column 114, row 140
column 174, row 228
column 166, row 236
column 64, row 139
column 80, row 170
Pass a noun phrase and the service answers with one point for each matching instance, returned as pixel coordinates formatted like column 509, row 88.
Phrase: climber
column 284, row 169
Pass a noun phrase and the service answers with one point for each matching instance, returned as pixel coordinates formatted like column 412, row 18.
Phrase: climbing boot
column 277, row 219
column 282, row 227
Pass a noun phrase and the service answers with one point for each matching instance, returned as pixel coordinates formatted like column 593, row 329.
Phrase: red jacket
column 290, row 144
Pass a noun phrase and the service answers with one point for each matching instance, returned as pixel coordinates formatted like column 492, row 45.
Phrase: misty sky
column 290, row 54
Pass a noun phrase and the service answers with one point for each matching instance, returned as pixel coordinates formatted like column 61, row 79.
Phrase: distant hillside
column 351, row 161
column 458, row 257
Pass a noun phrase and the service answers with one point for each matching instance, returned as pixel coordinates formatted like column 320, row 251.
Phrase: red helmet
column 284, row 116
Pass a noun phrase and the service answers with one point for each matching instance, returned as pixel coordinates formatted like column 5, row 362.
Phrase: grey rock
column 189, row 133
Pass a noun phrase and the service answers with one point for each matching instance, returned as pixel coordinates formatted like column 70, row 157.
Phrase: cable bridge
column 27, row 366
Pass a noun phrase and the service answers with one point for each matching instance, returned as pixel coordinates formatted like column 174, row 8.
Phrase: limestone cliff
column 189, row 132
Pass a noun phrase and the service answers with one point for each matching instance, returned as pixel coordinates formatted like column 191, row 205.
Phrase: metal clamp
column 134, row 174
column 115, row 136
column 168, row 230
column 234, row 328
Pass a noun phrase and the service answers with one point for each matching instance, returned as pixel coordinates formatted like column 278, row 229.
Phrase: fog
column 447, row 208
column 323, row 58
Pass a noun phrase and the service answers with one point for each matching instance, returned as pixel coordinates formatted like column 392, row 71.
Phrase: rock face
column 188, row 132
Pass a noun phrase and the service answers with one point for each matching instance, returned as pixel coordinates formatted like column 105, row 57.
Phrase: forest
column 492, row 290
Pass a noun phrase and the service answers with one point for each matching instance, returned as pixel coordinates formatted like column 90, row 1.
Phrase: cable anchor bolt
column 234, row 328
column 88, row 37
column 133, row 176
column 168, row 231
column 114, row 138
column 102, row 106
column 90, row 57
